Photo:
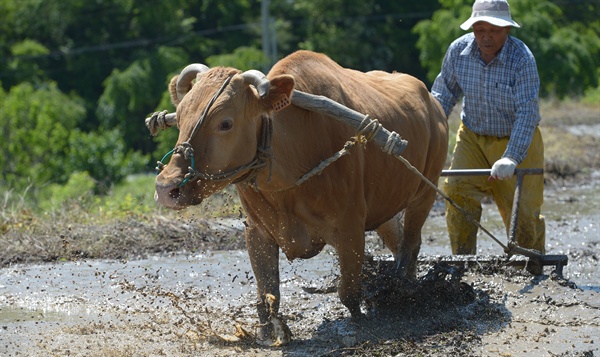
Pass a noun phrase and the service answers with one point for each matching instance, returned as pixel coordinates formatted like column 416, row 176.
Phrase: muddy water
column 65, row 298
column 173, row 305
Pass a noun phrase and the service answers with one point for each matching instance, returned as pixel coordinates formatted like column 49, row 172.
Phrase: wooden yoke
column 389, row 141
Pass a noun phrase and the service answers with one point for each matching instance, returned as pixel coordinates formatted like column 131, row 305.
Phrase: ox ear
column 282, row 87
column 173, row 91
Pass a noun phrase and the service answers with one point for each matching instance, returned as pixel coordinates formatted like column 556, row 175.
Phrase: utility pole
column 269, row 42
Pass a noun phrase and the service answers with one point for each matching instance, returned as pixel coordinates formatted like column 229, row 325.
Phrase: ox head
column 220, row 115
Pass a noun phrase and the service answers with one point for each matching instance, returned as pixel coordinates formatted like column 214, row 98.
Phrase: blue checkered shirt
column 500, row 99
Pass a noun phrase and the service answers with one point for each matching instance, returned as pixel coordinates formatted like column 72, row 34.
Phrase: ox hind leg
column 410, row 243
column 392, row 233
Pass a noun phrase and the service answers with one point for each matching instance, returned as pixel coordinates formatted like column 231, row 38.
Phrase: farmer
column 497, row 76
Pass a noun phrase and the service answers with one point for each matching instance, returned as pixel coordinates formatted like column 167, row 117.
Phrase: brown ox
column 359, row 192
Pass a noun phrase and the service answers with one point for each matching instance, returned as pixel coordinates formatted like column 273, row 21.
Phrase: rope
column 373, row 127
column 366, row 130
column 391, row 142
column 157, row 121
column 207, row 108
column 317, row 170
column 186, row 149
column 454, row 204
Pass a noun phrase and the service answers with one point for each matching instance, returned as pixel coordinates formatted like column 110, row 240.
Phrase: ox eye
column 225, row 125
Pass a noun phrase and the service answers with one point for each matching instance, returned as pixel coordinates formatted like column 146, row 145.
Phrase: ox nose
column 167, row 193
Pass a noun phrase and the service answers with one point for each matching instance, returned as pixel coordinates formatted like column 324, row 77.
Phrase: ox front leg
column 351, row 255
column 264, row 257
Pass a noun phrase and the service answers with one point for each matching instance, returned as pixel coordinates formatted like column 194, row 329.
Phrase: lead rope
column 454, row 204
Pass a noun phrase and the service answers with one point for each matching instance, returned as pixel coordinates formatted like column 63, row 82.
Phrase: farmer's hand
column 503, row 168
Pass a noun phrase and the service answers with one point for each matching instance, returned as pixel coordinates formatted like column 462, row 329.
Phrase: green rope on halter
column 191, row 172
column 161, row 164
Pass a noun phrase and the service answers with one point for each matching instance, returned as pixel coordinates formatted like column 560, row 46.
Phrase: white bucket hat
column 495, row 12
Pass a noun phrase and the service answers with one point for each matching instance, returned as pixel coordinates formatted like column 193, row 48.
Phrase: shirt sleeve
column 445, row 87
column 526, row 92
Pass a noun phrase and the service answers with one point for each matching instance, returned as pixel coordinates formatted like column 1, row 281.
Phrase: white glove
column 503, row 168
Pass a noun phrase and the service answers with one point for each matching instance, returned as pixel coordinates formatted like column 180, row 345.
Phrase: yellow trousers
column 473, row 151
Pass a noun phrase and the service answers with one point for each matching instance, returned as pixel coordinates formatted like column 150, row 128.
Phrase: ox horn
column 258, row 80
column 187, row 75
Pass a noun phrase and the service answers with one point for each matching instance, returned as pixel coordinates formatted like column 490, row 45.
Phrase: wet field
column 202, row 304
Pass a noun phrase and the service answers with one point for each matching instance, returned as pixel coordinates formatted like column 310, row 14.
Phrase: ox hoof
column 349, row 340
column 348, row 331
column 275, row 333
column 403, row 271
column 358, row 317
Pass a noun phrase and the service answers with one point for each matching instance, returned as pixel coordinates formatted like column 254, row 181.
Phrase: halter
column 263, row 151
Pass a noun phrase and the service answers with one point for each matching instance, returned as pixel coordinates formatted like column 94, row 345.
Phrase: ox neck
column 275, row 175
column 264, row 156
column 283, row 173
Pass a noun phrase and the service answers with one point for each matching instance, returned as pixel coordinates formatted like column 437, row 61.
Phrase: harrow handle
column 487, row 172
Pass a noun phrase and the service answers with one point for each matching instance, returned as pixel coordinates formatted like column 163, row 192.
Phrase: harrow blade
column 557, row 260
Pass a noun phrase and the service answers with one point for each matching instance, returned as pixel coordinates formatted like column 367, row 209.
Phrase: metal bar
column 520, row 173
column 476, row 260
column 487, row 172
column 479, row 260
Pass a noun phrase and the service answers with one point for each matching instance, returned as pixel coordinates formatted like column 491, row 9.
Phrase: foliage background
column 78, row 77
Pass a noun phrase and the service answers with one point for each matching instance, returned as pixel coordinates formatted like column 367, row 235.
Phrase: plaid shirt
column 500, row 98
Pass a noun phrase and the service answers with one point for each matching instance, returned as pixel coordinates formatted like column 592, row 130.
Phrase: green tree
column 104, row 155
column 23, row 69
column 35, row 129
column 364, row 35
column 131, row 93
column 41, row 143
column 81, row 76
column 242, row 58
column 567, row 51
